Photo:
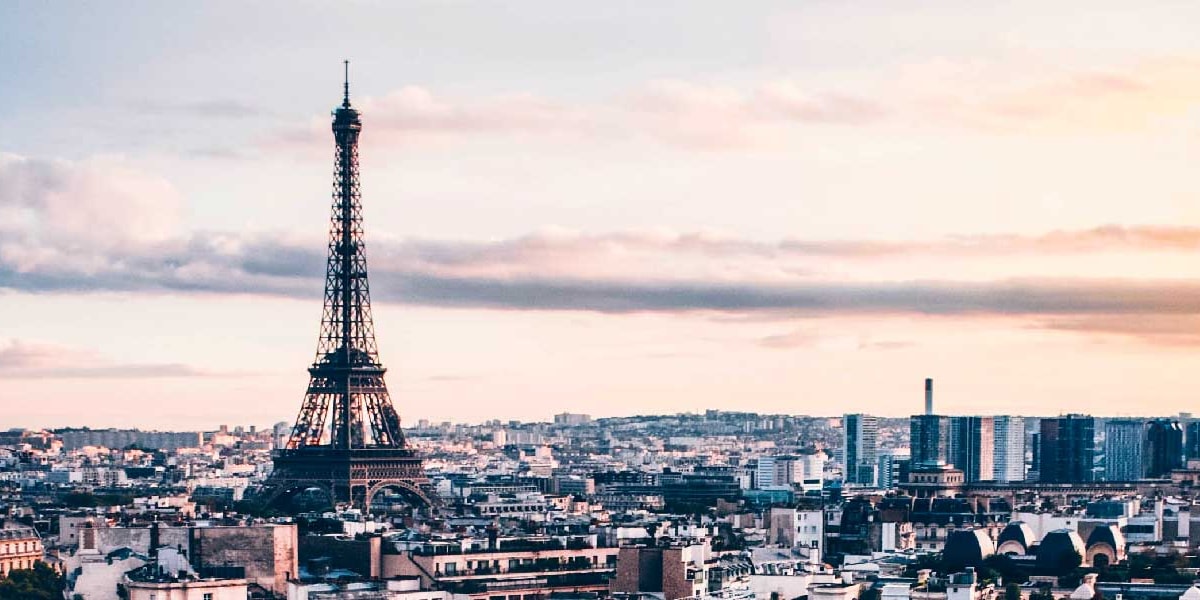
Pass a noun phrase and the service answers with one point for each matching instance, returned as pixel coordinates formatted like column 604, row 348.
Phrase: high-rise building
column 1164, row 448
column 1124, row 445
column 930, row 440
column 860, row 449
column 1067, row 449
column 930, row 472
column 1008, row 462
column 972, row 447
column 893, row 468
column 1192, row 440
column 764, row 475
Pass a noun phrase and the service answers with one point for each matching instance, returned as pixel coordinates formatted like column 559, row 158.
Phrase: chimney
column 928, row 396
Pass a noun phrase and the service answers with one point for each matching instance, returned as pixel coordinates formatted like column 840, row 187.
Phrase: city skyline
column 1002, row 207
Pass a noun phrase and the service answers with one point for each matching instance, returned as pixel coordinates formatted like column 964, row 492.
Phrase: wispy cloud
column 1001, row 97
column 22, row 359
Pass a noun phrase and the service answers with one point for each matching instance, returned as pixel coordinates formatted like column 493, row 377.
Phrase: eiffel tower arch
column 347, row 439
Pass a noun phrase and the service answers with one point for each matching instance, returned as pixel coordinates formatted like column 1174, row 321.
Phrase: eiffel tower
column 347, row 439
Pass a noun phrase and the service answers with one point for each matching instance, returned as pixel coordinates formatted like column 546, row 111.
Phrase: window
column 208, row 596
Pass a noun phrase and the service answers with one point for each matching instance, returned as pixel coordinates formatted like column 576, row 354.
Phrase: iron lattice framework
column 347, row 403
column 347, row 439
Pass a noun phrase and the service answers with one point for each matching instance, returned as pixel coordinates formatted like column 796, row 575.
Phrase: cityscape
column 159, row 477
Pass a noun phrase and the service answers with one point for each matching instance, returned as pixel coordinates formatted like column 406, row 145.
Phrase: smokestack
column 928, row 396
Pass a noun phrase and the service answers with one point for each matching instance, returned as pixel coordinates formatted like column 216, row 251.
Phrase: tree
column 79, row 499
column 1012, row 591
column 39, row 583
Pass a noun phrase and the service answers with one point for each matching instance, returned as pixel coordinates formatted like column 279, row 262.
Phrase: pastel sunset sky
column 611, row 207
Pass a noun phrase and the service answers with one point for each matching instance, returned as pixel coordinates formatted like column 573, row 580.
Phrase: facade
column 537, row 568
column 1067, row 449
column 1164, row 448
column 893, row 468
column 675, row 572
column 930, row 440
column 217, row 589
column 20, row 547
column 860, row 449
column 1008, row 454
column 972, row 447
column 792, row 528
column 1124, row 445
column 1192, row 440
column 74, row 439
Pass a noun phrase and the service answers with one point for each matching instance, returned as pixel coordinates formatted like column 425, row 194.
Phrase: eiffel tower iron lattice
column 347, row 438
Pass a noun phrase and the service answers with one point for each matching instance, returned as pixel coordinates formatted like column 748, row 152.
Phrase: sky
column 606, row 207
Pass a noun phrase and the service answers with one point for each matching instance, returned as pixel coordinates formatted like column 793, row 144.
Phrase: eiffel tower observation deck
column 347, row 439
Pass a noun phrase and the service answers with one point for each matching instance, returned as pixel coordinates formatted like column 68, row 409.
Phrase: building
column 930, row 471
column 893, row 468
column 1124, row 445
column 675, row 572
column 930, row 440
column 20, row 547
column 860, row 449
column 74, row 439
column 1067, row 449
column 1193, row 439
column 792, row 528
column 572, row 419
column 1164, row 448
column 972, row 447
column 535, row 566
column 173, row 588
column 1008, row 453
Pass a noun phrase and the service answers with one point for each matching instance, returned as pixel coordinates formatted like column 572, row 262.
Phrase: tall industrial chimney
column 928, row 396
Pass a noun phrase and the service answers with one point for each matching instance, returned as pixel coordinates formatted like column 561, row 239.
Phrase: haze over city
column 609, row 208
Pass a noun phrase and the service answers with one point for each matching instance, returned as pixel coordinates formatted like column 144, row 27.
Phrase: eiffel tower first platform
column 347, row 439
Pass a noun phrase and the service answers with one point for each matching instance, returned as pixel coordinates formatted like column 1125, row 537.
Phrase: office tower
column 764, row 475
column 972, row 447
column 930, row 440
column 1008, row 463
column 1193, row 440
column 1164, row 448
column 1067, row 449
column 1124, row 445
column 893, row 468
column 860, row 449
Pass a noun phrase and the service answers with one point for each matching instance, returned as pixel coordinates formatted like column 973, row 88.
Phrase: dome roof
column 1056, row 548
column 1192, row 593
column 1107, row 534
column 969, row 547
column 1017, row 531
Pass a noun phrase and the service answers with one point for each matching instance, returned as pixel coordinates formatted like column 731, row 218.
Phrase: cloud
column 220, row 108
column 1000, row 97
column 97, row 203
column 794, row 339
column 674, row 112
column 1019, row 97
column 22, row 359
column 102, row 226
column 1157, row 329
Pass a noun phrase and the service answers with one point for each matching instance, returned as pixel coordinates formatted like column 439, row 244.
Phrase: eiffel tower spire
column 347, row 405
